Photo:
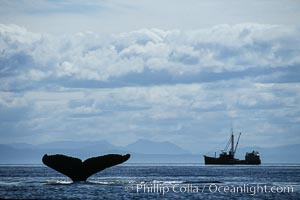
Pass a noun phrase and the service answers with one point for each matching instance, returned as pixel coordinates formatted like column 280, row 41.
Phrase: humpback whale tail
column 80, row 171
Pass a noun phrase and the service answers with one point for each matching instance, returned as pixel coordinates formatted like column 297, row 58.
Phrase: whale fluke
column 80, row 171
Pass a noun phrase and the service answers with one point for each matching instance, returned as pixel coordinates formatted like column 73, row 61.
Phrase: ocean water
column 154, row 181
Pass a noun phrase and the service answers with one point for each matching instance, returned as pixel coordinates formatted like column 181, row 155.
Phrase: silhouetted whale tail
column 80, row 171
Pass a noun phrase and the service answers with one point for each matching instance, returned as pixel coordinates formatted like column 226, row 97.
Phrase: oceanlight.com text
column 251, row 189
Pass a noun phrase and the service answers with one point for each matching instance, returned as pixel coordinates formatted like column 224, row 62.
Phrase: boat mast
column 232, row 142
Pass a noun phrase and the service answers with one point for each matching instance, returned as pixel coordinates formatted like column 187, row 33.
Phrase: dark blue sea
column 154, row 181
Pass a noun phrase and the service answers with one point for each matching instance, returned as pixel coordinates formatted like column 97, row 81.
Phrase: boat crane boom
column 237, row 142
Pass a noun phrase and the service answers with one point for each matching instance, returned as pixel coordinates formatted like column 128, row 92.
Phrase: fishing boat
column 227, row 157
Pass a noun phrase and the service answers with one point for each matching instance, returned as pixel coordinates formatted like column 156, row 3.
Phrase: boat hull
column 230, row 161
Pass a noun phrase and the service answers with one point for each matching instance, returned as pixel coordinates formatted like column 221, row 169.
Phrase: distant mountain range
column 150, row 147
column 142, row 151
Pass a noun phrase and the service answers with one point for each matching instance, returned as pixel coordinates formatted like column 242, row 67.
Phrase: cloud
column 181, row 86
column 179, row 55
column 180, row 112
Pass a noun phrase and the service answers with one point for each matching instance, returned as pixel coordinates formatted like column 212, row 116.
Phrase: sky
column 177, row 71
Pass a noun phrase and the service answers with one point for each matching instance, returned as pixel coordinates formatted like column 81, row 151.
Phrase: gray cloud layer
column 182, row 86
